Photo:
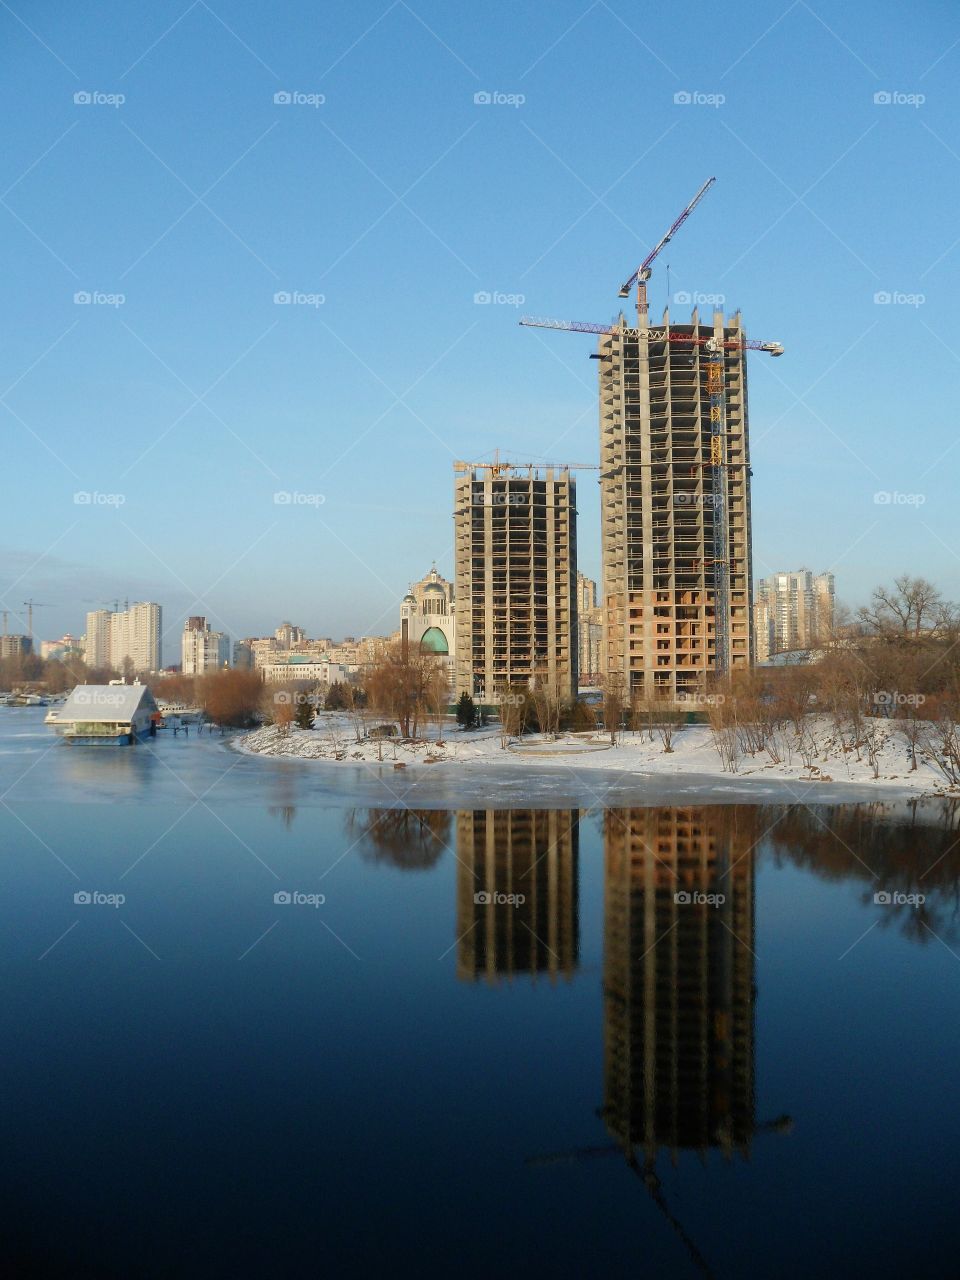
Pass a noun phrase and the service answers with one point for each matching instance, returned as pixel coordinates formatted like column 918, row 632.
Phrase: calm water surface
column 500, row 1043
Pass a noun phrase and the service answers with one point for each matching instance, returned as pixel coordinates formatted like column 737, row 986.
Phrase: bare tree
column 398, row 685
column 357, row 707
column 283, row 711
column 613, row 704
column 906, row 610
column 669, row 718
column 437, row 691
column 513, row 713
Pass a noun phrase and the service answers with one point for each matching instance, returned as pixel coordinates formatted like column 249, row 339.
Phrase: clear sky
column 396, row 199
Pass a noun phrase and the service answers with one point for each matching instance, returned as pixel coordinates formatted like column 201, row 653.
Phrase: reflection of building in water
column 678, row 980
column 517, row 893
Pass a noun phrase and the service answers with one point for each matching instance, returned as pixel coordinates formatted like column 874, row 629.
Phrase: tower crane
column 714, row 349
column 499, row 465
column 649, row 335
column 643, row 272
column 30, row 606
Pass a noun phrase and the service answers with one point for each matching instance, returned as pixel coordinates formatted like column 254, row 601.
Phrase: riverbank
column 823, row 762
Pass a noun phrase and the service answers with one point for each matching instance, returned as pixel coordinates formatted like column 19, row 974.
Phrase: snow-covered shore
column 824, row 760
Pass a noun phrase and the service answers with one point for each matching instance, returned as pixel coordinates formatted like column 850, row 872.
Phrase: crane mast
column 713, row 357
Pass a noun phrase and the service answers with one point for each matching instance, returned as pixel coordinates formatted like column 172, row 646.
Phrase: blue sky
column 198, row 198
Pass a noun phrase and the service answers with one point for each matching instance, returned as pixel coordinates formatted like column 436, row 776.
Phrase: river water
column 267, row 1017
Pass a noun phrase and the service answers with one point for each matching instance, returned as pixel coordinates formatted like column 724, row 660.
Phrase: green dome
column 434, row 641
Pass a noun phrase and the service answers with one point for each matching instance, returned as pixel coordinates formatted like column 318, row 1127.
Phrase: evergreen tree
column 306, row 711
column 466, row 711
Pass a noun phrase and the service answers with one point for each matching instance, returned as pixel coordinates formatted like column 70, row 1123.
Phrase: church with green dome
column 428, row 612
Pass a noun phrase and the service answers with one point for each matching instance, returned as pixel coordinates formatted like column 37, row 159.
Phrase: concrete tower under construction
column 673, row 415
column 516, row 572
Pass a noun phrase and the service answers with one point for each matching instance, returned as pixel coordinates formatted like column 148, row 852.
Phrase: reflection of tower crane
column 643, row 272
column 648, row 1175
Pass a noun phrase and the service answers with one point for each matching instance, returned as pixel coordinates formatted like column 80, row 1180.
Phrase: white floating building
column 107, row 713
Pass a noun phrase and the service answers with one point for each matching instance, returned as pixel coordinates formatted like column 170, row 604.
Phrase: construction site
column 676, row 547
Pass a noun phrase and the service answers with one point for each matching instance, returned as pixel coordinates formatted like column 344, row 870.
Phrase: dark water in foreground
column 597, row 1080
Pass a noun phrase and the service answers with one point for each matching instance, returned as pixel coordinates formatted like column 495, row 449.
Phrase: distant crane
column 30, row 606
column 643, row 272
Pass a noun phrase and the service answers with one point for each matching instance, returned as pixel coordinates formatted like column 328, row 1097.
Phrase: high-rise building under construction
column 672, row 412
column 516, row 572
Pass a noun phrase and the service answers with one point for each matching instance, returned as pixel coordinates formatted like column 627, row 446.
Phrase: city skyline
column 494, row 200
